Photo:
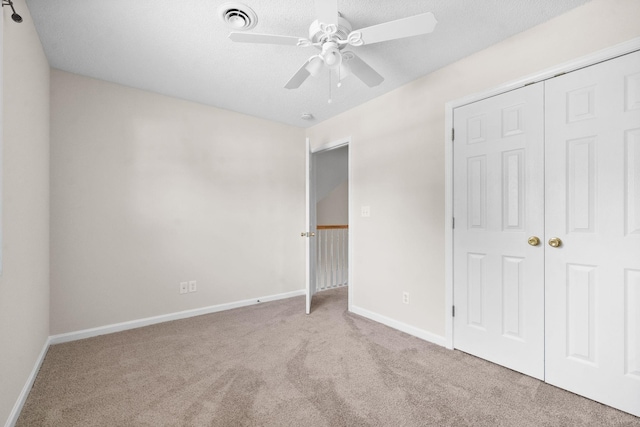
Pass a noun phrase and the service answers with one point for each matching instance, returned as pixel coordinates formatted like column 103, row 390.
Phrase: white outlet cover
column 184, row 287
column 365, row 211
column 193, row 286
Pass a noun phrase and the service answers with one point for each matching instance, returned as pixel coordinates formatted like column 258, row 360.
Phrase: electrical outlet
column 365, row 211
column 192, row 286
column 405, row 297
column 184, row 287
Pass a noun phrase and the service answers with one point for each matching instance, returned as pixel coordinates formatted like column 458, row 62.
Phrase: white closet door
column 498, row 205
column 592, row 204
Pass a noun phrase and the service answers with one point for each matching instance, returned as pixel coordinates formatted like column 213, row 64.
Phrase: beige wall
column 333, row 209
column 148, row 191
column 397, row 158
column 24, row 284
column 332, row 186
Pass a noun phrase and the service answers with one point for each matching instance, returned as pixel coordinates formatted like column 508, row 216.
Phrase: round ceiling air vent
column 238, row 16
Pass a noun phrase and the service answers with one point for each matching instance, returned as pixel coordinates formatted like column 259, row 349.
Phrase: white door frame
column 339, row 143
column 585, row 61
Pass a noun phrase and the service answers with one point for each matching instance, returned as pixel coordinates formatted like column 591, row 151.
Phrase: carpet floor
column 271, row 365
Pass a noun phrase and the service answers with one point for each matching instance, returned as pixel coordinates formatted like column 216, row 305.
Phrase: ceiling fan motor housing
column 318, row 35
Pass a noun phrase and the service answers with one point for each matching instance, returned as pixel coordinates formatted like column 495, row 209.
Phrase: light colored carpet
column 271, row 365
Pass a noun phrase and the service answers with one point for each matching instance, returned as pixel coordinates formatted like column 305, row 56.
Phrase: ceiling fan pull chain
column 330, row 100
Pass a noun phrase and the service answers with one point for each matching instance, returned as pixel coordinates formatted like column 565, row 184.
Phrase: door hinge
column 453, row 134
column 453, row 223
column 453, row 311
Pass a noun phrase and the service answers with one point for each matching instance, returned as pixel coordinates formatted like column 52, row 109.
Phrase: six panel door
column 498, row 205
column 592, row 119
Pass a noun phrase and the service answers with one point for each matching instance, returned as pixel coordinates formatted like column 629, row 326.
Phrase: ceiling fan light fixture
column 238, row 16
column 315, row 65
column 331, row 55
column 344, row 70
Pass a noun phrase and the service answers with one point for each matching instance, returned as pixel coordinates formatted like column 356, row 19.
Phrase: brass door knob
column 312, row 234
column 533, row 241
column 555, row 242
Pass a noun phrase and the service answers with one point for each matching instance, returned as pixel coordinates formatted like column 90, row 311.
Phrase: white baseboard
column 132, row 324
column 22, row 398
column 411, row 330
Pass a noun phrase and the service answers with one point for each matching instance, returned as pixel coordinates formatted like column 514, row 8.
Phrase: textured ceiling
column 181, row 49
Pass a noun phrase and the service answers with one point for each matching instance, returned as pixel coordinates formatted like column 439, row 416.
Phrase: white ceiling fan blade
column 362, row 70
column 298, row 78
column 405, row 27
column 327, row 11
column 264, row 38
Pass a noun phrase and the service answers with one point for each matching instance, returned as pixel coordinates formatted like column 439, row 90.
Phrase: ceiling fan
column 331, row 34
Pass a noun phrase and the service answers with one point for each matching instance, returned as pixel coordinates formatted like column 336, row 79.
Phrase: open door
column 311, row 227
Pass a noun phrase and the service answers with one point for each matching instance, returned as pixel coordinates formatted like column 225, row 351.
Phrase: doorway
column 328, row 251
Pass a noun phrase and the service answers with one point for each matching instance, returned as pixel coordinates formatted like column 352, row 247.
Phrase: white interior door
column 593, row 207
column 311, row 227
column 498, row 206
